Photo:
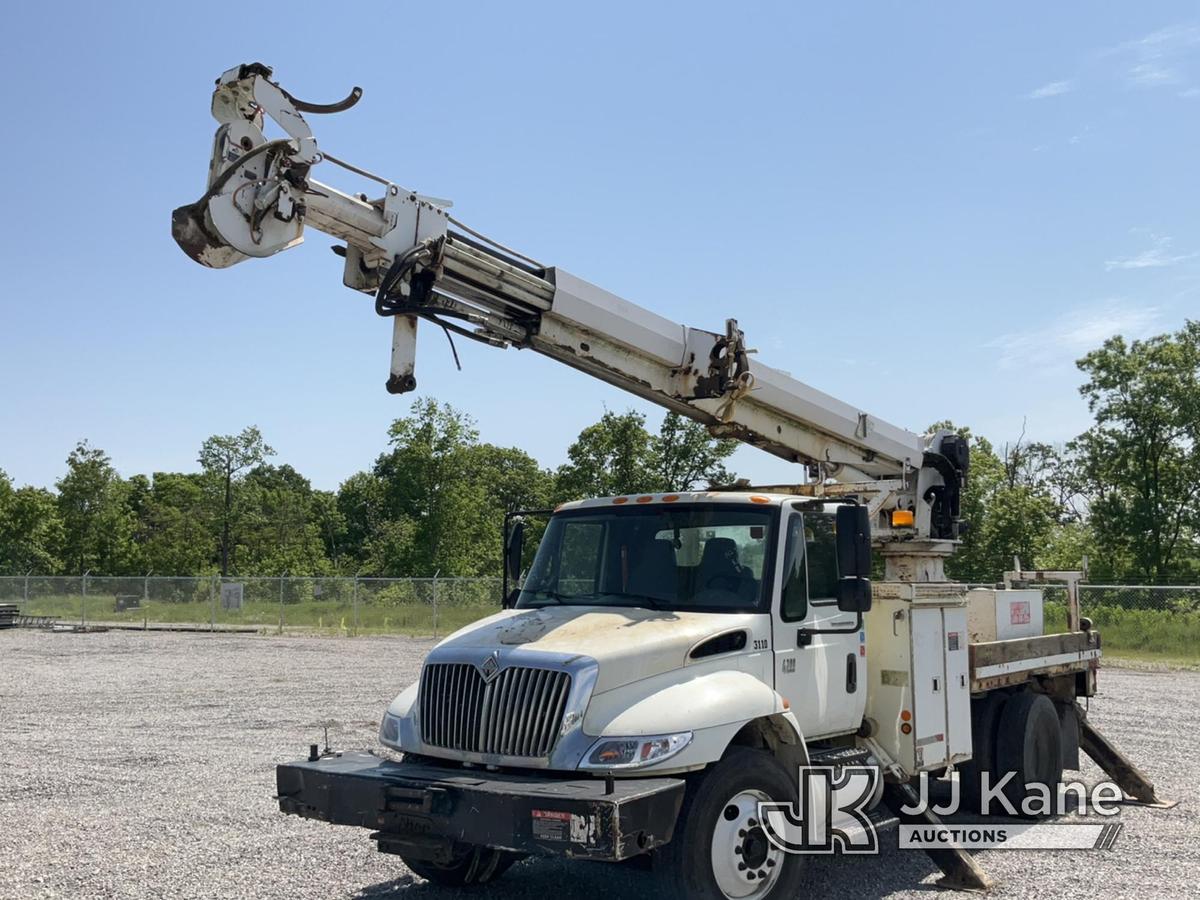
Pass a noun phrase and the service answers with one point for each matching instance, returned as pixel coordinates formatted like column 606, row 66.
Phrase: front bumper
column 422, row 809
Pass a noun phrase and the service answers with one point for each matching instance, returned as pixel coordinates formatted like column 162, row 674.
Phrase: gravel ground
column 140, row 765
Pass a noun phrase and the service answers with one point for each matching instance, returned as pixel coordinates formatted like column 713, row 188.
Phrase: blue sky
column 927, row 210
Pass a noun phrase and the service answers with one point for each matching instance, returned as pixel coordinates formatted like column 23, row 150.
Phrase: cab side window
column 820, row 537
column 794, row 597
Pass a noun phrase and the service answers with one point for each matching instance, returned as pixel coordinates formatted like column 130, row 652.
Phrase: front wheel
column 471, row 865
column 720, row 850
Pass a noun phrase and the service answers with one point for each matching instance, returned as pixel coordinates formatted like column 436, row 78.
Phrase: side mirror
column 854, row 559
column 854, row 595
column 853, row 542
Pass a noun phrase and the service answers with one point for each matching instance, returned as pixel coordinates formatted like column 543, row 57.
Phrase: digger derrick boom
column 420, row 263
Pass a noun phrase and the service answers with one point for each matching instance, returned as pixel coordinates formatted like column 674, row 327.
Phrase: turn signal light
column 903, row 518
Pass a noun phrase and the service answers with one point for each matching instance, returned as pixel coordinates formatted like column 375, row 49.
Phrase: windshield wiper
column 649, row 601
column 551, row 595
column 562, row 599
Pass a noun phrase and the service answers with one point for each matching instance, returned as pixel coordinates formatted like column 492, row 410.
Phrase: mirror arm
column 504, row 563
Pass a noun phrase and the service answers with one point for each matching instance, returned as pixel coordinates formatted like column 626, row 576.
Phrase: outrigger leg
column 960, row 872
column 1115, row 764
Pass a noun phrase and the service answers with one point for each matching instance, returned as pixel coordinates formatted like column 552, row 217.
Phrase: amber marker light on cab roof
column 670, row 498
column 620, row 500
column 646, row 499
column 757, row 499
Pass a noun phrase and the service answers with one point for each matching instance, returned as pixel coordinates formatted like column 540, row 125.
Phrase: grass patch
column 322, row 616
column 1150, row 635
column 1166, row 636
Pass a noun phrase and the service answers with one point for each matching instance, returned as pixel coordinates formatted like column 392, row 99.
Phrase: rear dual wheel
column 1029, row 744
column 1018, row 733
column 985, row 724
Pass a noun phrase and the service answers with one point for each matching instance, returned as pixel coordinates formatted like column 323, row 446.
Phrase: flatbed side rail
column 997, row 664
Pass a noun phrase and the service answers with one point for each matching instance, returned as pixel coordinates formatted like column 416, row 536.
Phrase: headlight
column 389, row 730
column 632, row 752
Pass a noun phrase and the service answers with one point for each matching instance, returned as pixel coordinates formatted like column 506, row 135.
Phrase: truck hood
column 629, row 643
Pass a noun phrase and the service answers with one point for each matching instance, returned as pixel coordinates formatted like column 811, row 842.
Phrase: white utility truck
column 668, row 662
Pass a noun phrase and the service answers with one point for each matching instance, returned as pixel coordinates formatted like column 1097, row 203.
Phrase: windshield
column 708, row 558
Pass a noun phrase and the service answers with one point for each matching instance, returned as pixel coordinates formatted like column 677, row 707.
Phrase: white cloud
column 1158, row 59
column 1166, row 58
column 1058, row 343
column 1053, row 89
column 1165, row 42
column 1157, row 257
column 1152, row 75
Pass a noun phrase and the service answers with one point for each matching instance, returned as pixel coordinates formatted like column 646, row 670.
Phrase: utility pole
column 356, row 574
column 435, row 599
column 282, row 576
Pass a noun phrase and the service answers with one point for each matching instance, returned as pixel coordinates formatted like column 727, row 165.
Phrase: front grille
column 519, row 713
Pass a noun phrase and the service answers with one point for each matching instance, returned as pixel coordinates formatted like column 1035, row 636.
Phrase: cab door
column 822, row 675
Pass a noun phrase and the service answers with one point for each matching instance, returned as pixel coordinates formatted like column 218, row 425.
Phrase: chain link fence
column 1137, row 620
column 338, row 605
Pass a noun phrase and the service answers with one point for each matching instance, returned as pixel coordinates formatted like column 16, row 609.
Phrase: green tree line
column 1125, row 493
column 434, row 501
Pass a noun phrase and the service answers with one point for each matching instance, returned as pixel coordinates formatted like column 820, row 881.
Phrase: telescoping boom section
column 420, row 263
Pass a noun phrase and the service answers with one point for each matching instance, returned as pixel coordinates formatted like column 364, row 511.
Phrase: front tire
column 471, row 865
column 719, row 850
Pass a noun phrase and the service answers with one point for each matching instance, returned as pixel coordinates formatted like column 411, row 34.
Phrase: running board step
column 841, row 756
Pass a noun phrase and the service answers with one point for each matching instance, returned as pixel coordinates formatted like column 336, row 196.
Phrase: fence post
column 435, row 598
column 212, row 603
column 146, row 589
column 356, row 604
column 83, row 617
column 281, row 577
column 25, row 602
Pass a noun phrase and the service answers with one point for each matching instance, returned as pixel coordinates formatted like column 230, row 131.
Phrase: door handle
column 851, row 673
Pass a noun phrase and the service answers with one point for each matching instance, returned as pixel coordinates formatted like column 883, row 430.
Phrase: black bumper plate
column 417, row 804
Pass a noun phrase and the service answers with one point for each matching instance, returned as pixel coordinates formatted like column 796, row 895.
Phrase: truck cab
column 665, row 667
column 647, row 632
